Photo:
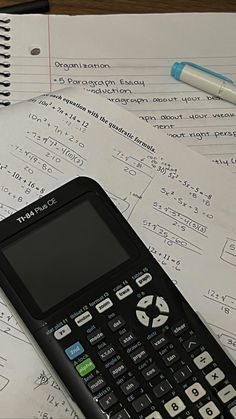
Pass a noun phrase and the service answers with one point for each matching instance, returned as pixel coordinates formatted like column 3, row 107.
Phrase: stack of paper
column 181, row 205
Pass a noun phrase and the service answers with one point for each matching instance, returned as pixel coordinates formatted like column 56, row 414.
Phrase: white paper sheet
column 180, row 204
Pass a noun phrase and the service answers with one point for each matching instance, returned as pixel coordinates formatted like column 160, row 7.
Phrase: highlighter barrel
column 205, row 80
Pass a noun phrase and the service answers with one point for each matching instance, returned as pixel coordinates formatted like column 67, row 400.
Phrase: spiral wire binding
column 4, row 63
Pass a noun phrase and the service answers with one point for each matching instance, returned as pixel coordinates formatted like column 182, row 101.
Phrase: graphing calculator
column 107, row 320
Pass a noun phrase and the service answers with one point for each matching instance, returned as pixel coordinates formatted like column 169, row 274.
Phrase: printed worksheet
column 180, row 204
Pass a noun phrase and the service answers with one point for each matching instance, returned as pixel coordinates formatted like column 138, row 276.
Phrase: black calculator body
column 107, row 320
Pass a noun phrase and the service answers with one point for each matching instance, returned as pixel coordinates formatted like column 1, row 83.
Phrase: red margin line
column 49, row 55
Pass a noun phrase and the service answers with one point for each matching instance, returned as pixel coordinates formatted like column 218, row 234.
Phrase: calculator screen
column 65, row 254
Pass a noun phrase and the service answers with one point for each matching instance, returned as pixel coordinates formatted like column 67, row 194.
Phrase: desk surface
column 74, row 7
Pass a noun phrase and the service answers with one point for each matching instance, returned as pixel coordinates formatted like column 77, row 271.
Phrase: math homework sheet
column 132, row 69
column 181, row 205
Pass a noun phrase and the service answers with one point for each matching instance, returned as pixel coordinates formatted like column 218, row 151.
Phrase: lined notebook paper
column 127, row 58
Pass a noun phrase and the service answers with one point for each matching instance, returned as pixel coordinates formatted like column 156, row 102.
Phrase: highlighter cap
column 176, row 70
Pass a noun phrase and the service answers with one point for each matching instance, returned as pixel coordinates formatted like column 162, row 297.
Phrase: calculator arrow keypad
column 153, row 304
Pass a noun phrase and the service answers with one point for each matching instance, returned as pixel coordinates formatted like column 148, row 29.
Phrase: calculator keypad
column 158, row 370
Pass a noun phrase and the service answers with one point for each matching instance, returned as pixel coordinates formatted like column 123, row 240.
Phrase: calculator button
column 162, row 388
column 170, row 358
column 191, row 344
column 174, row 406
column 180, row 328
column 145, row 301
column 108, row 400
column 227, row 393
column 122, row 414
column 233, row 412
column 182, row 374
column 116, row 323
column 209, row 410
column 202, row 360
column 118, row 369
column 150, row 372
column 95, row 337
column 159, row 341
column 141, row 403
column 104, row 305
column 159, row 320
column 154, row 415
column 142, row 317
column 127, row 339
column 83, row 318
column 124, row 292
column 85, row 367
column 143, row 279
column 139, row 355
column 74, row 350
column 162, row 305
column 106, row 353
column 130, row 386
column 195, row 392
column 214, row 377
column 96, row 384
column 62, row 332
